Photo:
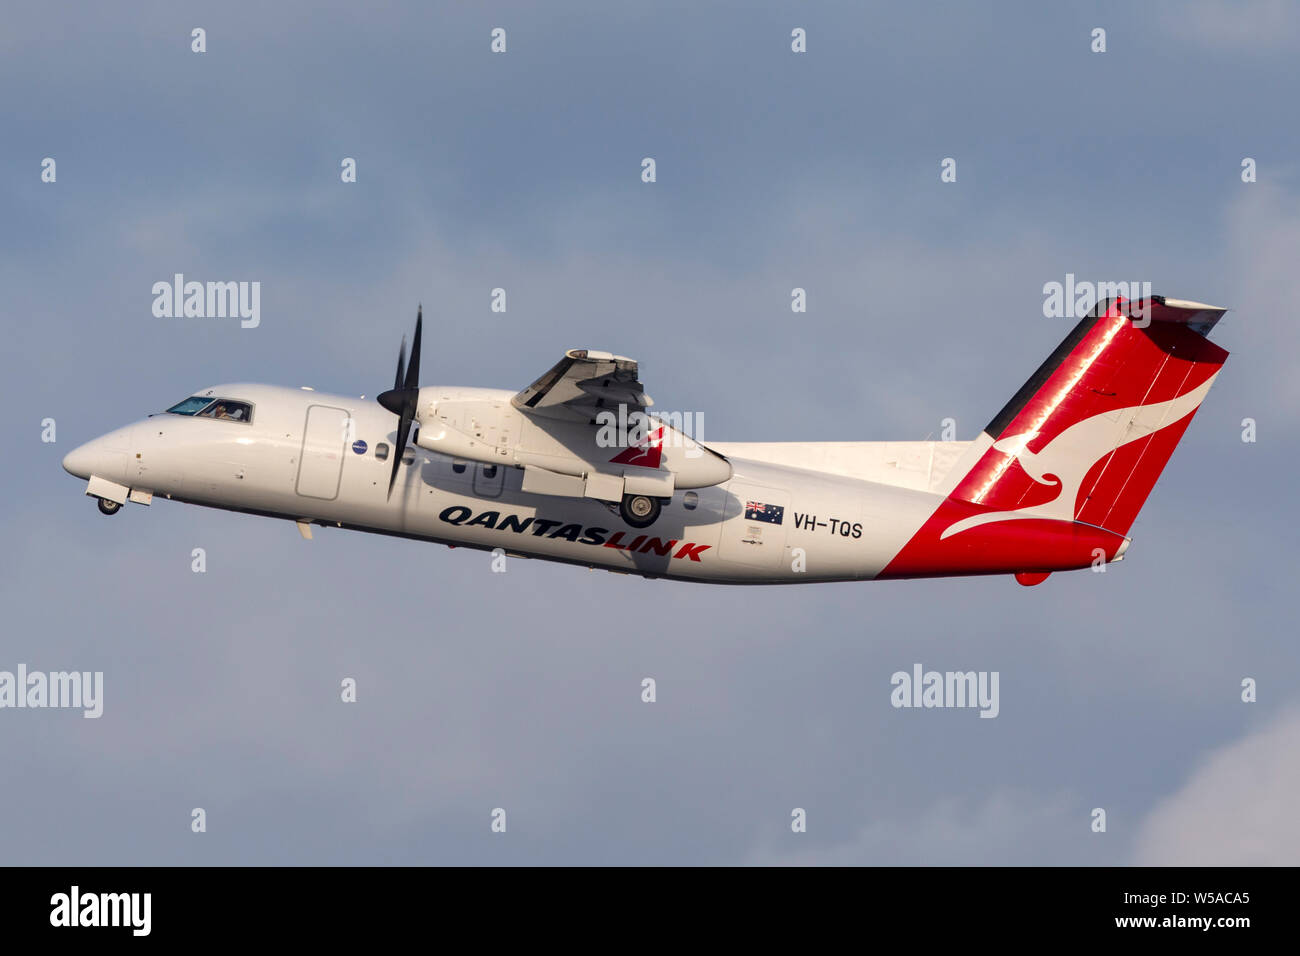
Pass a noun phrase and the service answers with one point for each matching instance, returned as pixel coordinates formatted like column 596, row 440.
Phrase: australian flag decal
column 757, row 511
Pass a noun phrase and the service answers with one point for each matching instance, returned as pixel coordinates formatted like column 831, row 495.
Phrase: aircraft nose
column 104, row 456
column 80, row 461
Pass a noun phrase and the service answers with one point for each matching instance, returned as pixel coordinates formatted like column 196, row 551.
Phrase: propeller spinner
column 403, row 397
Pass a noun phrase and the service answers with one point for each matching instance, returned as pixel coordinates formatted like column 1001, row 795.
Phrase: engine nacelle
column 605, row 462
column 484, row 431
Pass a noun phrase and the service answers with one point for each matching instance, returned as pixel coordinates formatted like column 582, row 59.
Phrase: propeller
column 403, row 397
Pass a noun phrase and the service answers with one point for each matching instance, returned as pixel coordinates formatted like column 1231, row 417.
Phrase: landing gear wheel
column 109, row 507
column 640, row 511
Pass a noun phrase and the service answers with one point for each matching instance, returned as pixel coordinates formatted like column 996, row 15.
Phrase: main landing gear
column 640, row 511
column 108, row 507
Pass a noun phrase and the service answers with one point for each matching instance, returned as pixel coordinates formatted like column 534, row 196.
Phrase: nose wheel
column 640, row 511
column 109, row 507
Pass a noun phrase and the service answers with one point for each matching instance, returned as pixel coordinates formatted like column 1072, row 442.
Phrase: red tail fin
column 1061, row 472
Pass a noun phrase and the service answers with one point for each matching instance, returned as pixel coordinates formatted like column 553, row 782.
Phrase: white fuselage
column 312, row 457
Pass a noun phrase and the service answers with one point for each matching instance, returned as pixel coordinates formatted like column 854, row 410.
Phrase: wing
column 568, row 444
column 583, row 383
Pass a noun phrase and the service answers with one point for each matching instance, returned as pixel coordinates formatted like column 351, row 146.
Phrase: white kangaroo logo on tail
column 1067, row 458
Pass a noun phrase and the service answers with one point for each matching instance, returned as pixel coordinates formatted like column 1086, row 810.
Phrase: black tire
column 639, row 511
column 109, row 507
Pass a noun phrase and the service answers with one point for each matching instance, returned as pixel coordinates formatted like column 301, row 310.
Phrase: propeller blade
column 403, row 432
column 401, row 365
column 413, row 370
column 403, row 398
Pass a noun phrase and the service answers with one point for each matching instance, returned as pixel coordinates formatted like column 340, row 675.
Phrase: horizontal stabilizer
column 1197, row 316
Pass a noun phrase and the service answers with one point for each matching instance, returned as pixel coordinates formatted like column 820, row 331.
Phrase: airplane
column 575, row 469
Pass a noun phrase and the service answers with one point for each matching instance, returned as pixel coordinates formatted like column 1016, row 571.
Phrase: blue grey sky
column 522, row 170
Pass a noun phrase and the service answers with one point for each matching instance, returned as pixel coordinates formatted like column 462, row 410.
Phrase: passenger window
column 458, row 467
column 408, row 456
column 381, row 451
column 489, row 471
column 690, row 500
column 228, row 410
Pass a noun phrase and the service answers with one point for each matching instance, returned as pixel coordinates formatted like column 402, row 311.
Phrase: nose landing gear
column 108, row 507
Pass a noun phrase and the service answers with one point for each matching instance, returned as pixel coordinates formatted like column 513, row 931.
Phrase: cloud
column 1253, row 28
column 1008, row 827
column 1238, row 808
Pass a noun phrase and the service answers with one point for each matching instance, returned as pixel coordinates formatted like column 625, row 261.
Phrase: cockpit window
column 191, row 406
column 228, row 410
